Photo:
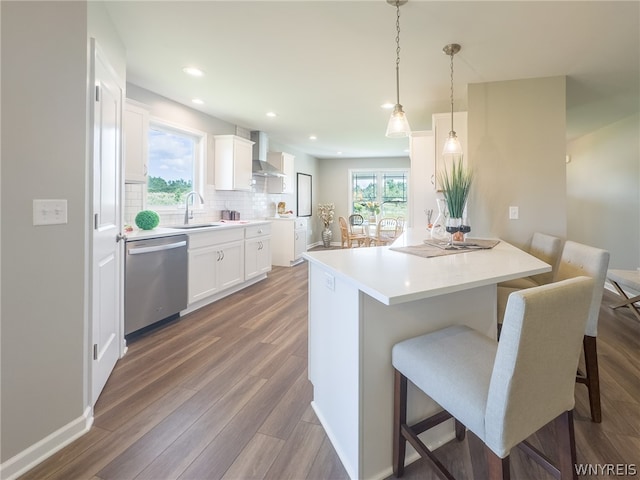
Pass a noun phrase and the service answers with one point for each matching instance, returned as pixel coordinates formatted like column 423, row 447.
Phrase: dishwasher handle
column 156, row 248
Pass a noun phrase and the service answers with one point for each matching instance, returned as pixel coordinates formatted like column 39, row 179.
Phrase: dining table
column 363, row 301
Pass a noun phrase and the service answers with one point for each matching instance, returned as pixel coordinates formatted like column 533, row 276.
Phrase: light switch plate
column 49, row 212
column 514, row 214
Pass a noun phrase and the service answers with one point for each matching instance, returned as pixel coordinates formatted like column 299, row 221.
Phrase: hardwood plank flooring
column 223, row 393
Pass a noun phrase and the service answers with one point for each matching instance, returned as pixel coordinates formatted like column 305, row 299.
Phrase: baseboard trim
column 40, row 451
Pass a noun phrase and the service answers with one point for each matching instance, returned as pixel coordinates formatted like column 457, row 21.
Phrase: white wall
column 44, row 93
column 603, row 191
column 517, row 149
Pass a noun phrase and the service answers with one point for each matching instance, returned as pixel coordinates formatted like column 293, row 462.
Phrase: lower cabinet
column 289, row 240
column 257, row 251
column 216, row 262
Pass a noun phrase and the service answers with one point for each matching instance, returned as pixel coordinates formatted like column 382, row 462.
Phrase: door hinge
column 97, row 93
column 95, row 351
column 95, row 221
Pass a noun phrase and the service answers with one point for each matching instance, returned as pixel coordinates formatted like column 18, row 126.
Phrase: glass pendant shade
column 452, row 145
column 398, row 125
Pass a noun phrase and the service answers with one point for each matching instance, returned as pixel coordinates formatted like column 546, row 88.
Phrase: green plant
column 147, row 219
column 456, row 185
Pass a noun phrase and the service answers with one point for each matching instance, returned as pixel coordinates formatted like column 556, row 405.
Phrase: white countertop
column 395, row 277
column 138, row 234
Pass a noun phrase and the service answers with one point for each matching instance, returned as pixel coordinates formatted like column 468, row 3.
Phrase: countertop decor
column 147, row 219
column 456, row 184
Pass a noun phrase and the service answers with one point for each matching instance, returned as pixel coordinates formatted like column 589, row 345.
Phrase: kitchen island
column 361, row 302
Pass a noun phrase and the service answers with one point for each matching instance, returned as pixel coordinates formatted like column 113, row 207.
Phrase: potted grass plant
column 456, row 183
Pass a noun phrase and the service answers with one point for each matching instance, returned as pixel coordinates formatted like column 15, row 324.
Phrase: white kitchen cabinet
column 257, row 250
column 285, row 163
column 232, row 163
column 441, row 123
column 289, row 240
column 136, row 130
column 216, row 262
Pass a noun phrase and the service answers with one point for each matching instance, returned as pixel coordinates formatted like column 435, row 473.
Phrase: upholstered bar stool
column 577, row 260
column 501, row 392
column 545, row 247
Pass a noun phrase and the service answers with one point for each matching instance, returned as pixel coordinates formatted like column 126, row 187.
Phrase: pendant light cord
column 452, row 92
column 397, row 52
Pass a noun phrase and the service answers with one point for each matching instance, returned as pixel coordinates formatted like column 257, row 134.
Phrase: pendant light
column 452, row 145
column 398, row 125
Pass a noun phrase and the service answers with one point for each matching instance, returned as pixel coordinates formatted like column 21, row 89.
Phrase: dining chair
column 400, row 225
column 386, row 232
column 347, row 237
column 545, row 247
column 502, row 392
column 577, row 260
column 356, row 224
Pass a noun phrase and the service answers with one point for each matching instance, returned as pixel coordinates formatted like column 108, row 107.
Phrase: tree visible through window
column 385, row 188
column 173, row 161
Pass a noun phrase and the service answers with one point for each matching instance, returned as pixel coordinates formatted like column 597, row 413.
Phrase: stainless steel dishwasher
column 156, row 278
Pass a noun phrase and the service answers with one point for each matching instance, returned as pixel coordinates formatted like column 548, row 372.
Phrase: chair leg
column 460, row 430
column 399, row 419
column 478, row 459
column 592, row 378
column 499, row 468
column 566, row 445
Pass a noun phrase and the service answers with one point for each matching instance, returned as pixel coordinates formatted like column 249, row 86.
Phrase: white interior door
column 106, row 299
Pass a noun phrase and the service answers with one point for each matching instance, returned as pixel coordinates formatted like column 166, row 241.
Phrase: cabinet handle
column 219, row 258
column 260, row 230
column 222, row 252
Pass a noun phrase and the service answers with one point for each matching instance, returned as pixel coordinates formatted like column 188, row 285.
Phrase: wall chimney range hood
column 261, row 167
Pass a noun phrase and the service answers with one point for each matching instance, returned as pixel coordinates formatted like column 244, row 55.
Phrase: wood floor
column 223, row 394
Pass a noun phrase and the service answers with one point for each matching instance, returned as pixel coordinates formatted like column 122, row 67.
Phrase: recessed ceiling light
column 338, row 153
column 272, row 114
column 312, row 137
column 193, row 71
column 387, row 106
column 197, row 101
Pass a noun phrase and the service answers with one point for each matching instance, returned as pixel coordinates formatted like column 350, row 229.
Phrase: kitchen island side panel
column 383, row 327
column 334, row 362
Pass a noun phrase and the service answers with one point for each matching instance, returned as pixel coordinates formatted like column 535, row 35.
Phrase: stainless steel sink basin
column 195, row 225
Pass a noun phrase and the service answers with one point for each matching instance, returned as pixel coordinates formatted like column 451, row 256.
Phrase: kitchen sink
column 195, row 225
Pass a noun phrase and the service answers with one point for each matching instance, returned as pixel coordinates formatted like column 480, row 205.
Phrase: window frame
column 379, row 174
column 200, row 160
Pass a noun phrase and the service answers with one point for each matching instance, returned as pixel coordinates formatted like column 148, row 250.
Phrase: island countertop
column 393, row 277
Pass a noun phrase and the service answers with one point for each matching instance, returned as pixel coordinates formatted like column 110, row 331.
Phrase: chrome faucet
column 188, row 215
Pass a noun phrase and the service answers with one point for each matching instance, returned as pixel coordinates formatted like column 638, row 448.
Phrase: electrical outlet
column 329, row 281
column 514, row 214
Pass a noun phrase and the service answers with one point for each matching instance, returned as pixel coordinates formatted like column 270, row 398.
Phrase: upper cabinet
column 441, row 127
column 283, row 162
column 136, row 128
column 233, row 162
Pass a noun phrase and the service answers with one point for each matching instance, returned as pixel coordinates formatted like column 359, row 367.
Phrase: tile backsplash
column 253, row 205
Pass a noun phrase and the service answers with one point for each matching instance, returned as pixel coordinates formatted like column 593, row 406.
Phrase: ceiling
column 326, row 67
